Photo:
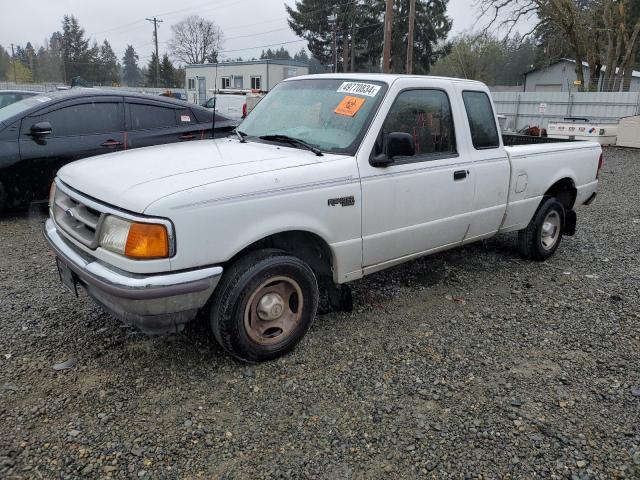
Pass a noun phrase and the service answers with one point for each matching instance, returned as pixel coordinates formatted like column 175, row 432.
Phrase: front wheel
column 542, row 236
column 264, row 305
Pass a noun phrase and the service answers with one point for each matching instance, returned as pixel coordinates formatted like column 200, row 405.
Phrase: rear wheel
column 542, row 236
column 264, row 305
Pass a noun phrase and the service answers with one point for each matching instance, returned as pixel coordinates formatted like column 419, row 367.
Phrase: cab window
column 482, row 120
column 426, row 116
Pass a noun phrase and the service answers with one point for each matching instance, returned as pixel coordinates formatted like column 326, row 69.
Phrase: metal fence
column 522, row 109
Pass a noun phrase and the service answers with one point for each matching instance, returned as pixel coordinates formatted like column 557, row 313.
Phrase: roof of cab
column 380, row 77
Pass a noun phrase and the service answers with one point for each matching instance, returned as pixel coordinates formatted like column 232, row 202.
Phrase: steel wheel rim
column 273, row 311
column 550, row 231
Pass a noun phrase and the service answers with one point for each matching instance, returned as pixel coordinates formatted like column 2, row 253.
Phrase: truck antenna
column 215, row 87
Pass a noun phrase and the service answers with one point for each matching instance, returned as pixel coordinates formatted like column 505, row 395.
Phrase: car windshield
column 330, row 114
column 21, row 106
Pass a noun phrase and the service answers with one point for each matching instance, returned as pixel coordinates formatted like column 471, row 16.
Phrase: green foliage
column 301, row 56
column 5, row 59
column 76, row 55
column 279, row 54
column 485, row 58
column 130, row 71
column 109, row 69
column 167, row 72
column 359, row 32
column 153, row 68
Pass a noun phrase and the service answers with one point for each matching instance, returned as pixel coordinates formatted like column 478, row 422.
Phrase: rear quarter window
column 145, row 117
column 482, row 120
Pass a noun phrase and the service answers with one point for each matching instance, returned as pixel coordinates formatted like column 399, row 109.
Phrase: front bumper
column 154, row 303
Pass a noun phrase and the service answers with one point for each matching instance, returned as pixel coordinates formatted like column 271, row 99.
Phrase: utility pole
column 388, row 23
column 333, row 19
column 412, row 23
column 155, row 22
column 13, row 60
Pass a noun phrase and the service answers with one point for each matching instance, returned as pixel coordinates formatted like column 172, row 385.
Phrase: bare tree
column 195, row 40
column 598, row 32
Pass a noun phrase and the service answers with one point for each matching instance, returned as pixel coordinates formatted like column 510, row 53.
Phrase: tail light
column 600, row 165
column 244, row 110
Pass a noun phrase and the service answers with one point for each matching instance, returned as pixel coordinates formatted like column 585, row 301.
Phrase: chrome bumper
column 154, row 303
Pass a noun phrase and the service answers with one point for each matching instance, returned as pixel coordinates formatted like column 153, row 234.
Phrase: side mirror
column 41, row 129
column 396, row 144
column 400, row 145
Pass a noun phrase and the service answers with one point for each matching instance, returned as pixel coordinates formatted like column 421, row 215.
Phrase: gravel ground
column 472, row 363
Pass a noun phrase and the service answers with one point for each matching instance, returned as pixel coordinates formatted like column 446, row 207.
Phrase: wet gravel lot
column 471, row 363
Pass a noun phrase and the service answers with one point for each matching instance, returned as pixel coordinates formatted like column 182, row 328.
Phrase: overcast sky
column 244, row 23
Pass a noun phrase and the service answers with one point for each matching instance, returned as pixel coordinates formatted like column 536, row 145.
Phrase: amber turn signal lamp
column 147, row 240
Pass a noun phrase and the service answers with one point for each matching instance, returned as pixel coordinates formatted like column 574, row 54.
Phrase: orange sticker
column 349, row 106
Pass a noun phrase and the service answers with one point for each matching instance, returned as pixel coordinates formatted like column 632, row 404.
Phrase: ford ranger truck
column 329, row 178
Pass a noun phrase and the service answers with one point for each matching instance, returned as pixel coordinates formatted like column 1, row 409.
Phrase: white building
column 251, row 75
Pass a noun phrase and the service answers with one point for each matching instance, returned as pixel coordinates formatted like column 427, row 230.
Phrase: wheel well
column 565, row 191
column 307, row 246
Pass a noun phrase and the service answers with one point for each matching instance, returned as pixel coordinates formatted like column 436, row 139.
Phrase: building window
column 238, row 82
column 191, row 83
column 256, row 82
column 290, row 72
column 226, row 82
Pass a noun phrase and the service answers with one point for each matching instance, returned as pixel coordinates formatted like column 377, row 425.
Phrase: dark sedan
column 40, row 134
column 7, row 97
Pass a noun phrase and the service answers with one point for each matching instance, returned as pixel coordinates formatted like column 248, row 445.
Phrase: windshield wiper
column 293, row 141
column 240, row 135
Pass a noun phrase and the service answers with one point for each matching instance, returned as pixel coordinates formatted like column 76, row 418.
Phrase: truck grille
column 76, row 219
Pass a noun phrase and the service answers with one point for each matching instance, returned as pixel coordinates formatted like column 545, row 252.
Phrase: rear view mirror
column 40, row 129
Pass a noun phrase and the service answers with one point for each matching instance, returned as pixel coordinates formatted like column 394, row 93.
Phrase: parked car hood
column 134, row 179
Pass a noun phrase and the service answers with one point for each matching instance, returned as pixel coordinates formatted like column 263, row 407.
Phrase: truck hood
column 134, row 179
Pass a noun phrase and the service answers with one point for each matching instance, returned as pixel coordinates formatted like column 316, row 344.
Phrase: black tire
column 231, row 311
column 535, row 242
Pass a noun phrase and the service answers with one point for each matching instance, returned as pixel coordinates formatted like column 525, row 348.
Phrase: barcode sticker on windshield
column 366, row 89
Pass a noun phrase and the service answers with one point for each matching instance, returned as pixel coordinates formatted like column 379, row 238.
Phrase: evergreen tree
column 5, row 63
column 49, row 60
column 178, row 77
column 301, row 56
column 152, row 71
column 359, row 32
column 166, row 72
column 75, row 49
column 282, row 54
column 110, row 70
column 131, row 72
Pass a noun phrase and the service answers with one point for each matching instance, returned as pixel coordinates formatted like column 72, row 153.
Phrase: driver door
column 419, row 203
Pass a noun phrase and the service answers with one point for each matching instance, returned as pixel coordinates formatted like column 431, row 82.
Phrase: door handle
column 111, row 143
column 187, row 136
column 460, row 175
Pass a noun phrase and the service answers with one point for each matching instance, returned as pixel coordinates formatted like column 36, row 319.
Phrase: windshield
column 330, row 114
column 21, row 106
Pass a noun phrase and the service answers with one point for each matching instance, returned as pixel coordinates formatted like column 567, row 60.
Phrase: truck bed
column 512, row 140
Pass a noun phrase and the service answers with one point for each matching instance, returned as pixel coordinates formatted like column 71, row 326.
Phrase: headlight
column 134, row 239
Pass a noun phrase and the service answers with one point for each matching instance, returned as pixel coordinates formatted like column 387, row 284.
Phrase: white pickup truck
column 330, row 178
